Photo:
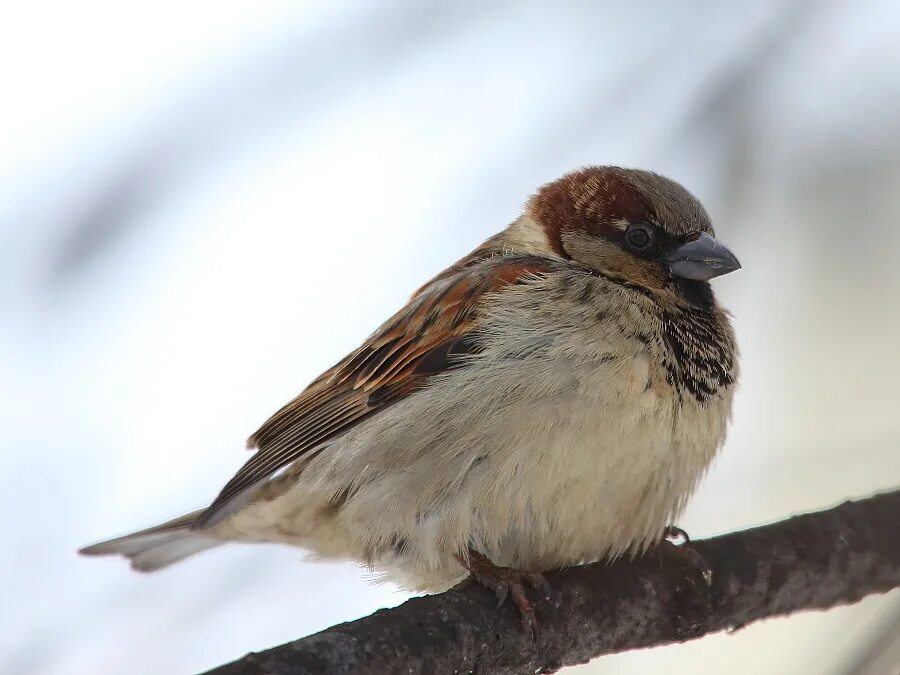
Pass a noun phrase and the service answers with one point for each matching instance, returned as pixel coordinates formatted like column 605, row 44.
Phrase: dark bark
column 812, row 561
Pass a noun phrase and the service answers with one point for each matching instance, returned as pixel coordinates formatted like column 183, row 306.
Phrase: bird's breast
column 596, row 469
column 602, row 449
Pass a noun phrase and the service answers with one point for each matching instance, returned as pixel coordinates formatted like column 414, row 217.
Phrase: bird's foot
column 684, row 551
column 506, row 583
column 674, row 532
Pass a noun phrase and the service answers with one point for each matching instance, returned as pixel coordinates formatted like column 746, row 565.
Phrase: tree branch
column 812, row 561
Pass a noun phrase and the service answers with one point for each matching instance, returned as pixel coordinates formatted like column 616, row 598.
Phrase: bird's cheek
column 609, row 259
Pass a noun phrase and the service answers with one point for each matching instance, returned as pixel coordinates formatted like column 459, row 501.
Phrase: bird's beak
column 702, row 259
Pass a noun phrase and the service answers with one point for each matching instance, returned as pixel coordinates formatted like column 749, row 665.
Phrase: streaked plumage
column 550, row 399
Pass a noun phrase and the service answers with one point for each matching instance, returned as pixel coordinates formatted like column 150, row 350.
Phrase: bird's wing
column 425, row 338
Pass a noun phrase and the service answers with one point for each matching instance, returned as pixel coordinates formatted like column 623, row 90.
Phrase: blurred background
column 205, row 204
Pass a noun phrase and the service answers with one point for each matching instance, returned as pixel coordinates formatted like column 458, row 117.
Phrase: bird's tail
column 157, row 547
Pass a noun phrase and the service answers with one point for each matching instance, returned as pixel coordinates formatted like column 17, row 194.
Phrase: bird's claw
column 674, row 532
column 539, row 583
column 509, row 583
column 689, row 555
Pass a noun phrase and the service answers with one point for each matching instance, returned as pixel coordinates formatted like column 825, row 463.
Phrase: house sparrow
column 553, row 398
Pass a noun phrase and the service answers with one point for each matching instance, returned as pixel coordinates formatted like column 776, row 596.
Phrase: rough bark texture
column 812, row 561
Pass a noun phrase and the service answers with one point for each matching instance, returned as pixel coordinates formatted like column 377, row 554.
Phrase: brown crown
column 595, row 199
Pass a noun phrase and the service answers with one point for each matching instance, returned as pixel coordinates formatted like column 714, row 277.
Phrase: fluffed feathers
column 552, row 398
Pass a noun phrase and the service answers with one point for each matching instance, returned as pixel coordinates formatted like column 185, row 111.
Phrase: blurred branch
column 813, row 561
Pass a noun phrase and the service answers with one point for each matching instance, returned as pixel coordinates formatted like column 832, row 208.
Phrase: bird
column 551, row 399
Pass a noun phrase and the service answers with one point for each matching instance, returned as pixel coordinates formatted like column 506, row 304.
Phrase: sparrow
column 551, row 399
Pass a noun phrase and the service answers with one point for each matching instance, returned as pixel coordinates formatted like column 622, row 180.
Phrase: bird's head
column 634, row 227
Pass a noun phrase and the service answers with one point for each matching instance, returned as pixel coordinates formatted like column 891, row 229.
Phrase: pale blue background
column 204, row 204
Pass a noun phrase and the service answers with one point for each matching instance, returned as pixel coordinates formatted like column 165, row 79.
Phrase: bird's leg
column 684, row 551
column 508, row 583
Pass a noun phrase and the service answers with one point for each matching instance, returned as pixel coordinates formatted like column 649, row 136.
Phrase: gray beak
column 702, row 259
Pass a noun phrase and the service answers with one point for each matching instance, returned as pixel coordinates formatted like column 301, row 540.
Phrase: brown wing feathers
column 423, row 339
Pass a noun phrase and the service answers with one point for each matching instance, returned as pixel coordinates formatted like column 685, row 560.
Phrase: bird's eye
column 639, row 237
